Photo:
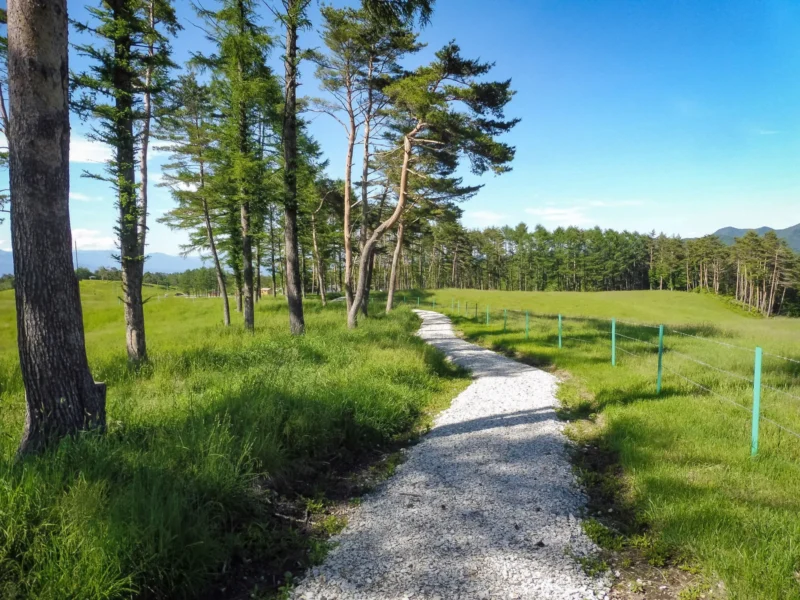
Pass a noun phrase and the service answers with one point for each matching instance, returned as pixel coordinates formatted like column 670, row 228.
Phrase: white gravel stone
column 484, row 507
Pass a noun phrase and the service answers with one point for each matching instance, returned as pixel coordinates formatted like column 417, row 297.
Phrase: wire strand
column 709, row 390
column 627, row 337
column 697, row 337
column 705, row 364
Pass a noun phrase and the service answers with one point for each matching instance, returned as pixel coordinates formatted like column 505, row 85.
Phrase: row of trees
column 244, row 169
column 761, row 273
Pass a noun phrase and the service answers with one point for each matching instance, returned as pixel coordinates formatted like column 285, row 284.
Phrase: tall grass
column 199, row 440
column 686, row 452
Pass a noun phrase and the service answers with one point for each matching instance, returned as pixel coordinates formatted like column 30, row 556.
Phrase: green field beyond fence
column 686, row 449
column 763, row 385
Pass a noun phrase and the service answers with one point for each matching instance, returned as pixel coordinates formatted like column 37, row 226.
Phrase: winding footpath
column 485, row 506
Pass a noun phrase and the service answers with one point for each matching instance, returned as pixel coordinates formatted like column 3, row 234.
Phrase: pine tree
column 111, row 93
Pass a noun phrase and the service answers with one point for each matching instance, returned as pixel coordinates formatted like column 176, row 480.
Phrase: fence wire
column 533, row 320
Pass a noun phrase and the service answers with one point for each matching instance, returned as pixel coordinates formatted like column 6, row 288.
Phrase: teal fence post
column 756, row 403
column 660, row 358
column 559, row 332
column 526, row 325
column 613, row 342
column 487, row 314
column 505, row 319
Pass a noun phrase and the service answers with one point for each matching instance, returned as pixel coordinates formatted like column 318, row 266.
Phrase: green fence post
column 756, row 403
column 559, row 332
column 505, row 319
column 613, row 342
column 487, row 314
column 660, row 357
column 404, row 298
column 526, row 324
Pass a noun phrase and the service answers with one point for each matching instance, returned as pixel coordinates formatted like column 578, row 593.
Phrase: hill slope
column 790, row 234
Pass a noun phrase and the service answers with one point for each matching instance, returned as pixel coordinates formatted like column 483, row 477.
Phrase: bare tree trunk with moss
column 61, row 396
column 398, row 251
column 294, row 10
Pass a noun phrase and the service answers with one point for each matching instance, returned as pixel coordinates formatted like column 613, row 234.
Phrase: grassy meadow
column 685, row 453
column 202, row 441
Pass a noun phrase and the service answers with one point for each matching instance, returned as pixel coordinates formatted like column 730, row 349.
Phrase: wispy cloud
column 82, row 150
column 551, row 215
column 84, row 197
column 614, row 203
column 484, row 218
column 92, row 239
column 766, row 131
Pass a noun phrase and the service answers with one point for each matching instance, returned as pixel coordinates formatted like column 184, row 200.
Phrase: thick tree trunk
column 398, row 251
column 61, row 396
column 292, row 279
column 247, row 267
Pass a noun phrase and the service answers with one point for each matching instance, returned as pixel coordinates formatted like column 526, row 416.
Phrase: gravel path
column 484, row 507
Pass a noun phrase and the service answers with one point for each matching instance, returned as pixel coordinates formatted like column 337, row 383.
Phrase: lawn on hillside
column 686, row 452
column 200, row 438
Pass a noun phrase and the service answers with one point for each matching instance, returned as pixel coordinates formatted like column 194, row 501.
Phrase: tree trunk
column 352, row 315
column 272, row 250
column 348, row 245
column 147, row 109
column 223, row 290
column 258, row 270
column 292, row 280
column 398, row 251
column 61, row 396
column 318, row 259
column 132, row 261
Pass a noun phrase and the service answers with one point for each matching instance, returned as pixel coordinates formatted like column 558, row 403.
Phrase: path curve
column 484, row 507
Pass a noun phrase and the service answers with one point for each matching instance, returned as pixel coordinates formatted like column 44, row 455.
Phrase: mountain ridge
column 157, row 262
column 790, row 234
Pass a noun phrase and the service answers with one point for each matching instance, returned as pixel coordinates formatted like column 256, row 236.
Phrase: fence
column 639, row 341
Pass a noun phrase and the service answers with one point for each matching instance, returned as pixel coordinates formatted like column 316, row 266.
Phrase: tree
column 241, row 83
column 60, row 393
column 294, row 19
column 189, row 130
column 112, row 94
column 443, row 111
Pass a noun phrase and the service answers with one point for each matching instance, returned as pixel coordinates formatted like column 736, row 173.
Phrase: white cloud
column 82, row 150
column 573, row 215
column 4, row 243
column 484, row 218
column 766, row 131
column 614, row 204
column 84, row 197
column 92, row 239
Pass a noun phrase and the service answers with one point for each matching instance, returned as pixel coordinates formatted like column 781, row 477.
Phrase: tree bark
column 398, row 251
column 61, row 396
column 352, row 315
column 272, row 250
column 292, row 275
column 317, row 257
column 223, row 290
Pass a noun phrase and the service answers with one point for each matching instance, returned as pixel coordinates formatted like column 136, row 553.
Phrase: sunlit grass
column 197, row 437
column 686, row 452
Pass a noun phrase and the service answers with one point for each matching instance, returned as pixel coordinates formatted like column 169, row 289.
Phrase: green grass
column 199, row 440
column 685, row 453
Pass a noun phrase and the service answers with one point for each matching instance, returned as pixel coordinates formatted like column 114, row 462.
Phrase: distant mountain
column 790, row 234
column 94, row 259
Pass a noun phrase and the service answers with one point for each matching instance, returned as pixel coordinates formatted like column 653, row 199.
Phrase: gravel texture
column 485, row 506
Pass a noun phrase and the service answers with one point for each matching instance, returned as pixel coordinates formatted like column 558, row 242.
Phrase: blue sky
column 678, row 116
